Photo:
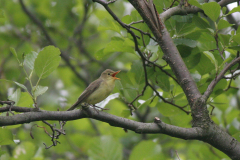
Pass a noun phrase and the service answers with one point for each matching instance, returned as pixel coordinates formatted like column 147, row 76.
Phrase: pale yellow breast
column 102, row 92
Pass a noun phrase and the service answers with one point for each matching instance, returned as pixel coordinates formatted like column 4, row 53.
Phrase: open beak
column 114, row 74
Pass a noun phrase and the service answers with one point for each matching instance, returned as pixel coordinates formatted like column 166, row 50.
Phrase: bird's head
column 109, row 74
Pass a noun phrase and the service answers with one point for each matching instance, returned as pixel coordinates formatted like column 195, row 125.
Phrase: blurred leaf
column 107, row 24
column 236, row 9
column 212, row 10
column 195, row 3
column 25, row 100
column 15, row 96
column 137, row 69
column 39, row 90
column 25, row 150
column 236, row 38
column 237, row 48
column 105, row 148
column 162, row 80
column 6, row 136
column 47, row 61
column 200, row 23
column 14, row 53
column 204, row 66
column 147, row 150
column 2, row 13
column 187, row 42
column 223, row 24
column 236, row 136
column 167, row 109
column 212, row 58
column 125, row 113
column 30, row 59
column 21, row 85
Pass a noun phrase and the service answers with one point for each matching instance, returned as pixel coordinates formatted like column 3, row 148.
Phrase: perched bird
column 98, row 90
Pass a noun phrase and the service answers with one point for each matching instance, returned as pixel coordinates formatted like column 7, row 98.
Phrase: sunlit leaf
column 212, row 10
column 6, row 136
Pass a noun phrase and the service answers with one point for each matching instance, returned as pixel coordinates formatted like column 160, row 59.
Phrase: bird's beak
column 114, row 74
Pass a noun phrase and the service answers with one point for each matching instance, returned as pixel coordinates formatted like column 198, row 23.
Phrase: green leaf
column 21, row 85
column 25, row 150
column 30, row 59
column 2, row 13
column 108, row 24
column 224, row 9
column 204, row 66
column 167, row 110
column 237, row 48
column 25, row 100
column 195, row 3
column 184, row 28
column 187, row 42
column 15, row 96
column 14, row 53
column 200, row 22
column 236, row 136
column 137, row 69
column 6, row 136
column 119, row 45
column 236, row 38
column 146, row 150
column 236, row 9
column 223, row 24
column 47, row 61
column 162, row 80
column 212, row 58
column 125, row 113
column 105, row 148
column 39, row 90
column 212, row 10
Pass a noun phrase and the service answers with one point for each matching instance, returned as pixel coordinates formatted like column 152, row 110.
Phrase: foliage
column 36, row 72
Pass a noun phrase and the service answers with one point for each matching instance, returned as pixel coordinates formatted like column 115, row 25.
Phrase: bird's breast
column 103, row 91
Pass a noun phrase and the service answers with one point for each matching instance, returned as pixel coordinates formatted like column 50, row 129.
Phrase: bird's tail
column 74, row 106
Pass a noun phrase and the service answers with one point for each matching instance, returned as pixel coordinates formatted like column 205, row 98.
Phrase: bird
column 98, row 90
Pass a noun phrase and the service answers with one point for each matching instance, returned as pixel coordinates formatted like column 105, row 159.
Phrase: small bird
column 98, row 90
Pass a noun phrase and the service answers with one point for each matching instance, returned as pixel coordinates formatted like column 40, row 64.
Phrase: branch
column 179, row 10
column 138, row 127
column 219, row 77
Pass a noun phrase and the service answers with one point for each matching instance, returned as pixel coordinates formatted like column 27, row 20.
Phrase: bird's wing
column 89, row 90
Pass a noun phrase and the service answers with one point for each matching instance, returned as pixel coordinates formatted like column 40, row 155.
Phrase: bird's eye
column 108, row 73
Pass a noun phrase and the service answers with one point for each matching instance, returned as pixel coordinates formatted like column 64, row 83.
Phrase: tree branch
column 138, row 127
column 179, row 10
column 209, row 90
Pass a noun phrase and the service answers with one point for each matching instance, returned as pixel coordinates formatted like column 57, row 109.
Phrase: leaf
column 223, row 24
column 212, row 10
column 236, row 9
column 47, row 61
column 187, row 42
column 137, row 69
column 39, row 90
column 15, row 96
column 105, row 148
column 21, row 85
column 14, row 53
column 25, row 150
column 25, row 100
column 107, row 24
column 204, row 66
column 195, row 3
column 125, row 113
column 119, row 45
column 146, row 150
column 30, row 59
column 212, row 58
column 236, row 38
column 167, row 109
column 162, row 80
column 2, row 13
column 237, row 48
column 200, row 23
column 6, row 136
